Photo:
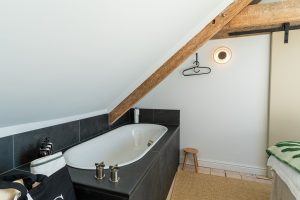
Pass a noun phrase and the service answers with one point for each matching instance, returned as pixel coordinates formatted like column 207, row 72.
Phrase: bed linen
column 287, row 174
column 280, row 190
column 287, row 152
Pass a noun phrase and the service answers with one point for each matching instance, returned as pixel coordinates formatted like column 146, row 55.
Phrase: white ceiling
column 60, row 58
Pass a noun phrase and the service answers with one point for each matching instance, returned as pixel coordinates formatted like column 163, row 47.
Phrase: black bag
column 55, row 187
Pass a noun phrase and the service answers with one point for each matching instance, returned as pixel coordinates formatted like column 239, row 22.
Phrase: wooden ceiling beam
column 263, row 16
column 178, row 58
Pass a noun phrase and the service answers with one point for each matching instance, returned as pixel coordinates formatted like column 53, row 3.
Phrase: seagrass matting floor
column 192, row 186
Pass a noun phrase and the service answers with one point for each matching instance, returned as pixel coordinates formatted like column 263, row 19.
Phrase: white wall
column 67, row 58
column 223, row 114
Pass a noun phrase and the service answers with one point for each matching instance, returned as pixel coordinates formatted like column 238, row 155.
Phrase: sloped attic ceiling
column 63, row 58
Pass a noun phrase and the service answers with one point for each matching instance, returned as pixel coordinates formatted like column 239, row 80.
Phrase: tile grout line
column 13, row 157
column 13, row 148
column 79, row 139
column 7, row 171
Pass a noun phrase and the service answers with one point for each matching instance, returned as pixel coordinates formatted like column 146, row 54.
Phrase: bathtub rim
column 166, row 129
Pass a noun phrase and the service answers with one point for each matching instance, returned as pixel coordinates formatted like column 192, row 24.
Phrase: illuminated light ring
column 222, row 55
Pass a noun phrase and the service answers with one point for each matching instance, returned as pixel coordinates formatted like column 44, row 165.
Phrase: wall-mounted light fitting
column 222, row 55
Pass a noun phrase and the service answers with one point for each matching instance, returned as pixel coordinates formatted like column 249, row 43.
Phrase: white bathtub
column 121, row 146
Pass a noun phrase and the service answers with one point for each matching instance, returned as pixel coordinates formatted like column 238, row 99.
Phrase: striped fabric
column 288, row 152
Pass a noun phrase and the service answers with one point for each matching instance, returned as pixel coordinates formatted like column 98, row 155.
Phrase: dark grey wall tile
column 168, row 162
column 6, row 154
column 167, row 117
column 146, row 115
column 150, row 187
column 125, row 119
column 131, row 114
column 12, row 172
column 26, row 145
column 93, row 126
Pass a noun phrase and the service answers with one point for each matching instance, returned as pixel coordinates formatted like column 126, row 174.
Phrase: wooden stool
column 194, row 152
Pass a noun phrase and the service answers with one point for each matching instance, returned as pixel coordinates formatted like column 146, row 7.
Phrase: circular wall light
column 222, row 55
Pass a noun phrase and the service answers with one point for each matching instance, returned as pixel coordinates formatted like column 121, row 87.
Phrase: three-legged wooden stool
column 194, row 152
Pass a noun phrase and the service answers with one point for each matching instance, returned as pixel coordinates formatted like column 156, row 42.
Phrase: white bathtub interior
column 121, row 146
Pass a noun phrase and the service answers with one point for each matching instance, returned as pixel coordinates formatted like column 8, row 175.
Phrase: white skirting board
column 229, row 166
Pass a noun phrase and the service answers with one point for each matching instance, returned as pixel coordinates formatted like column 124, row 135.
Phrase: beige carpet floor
column 192, row 186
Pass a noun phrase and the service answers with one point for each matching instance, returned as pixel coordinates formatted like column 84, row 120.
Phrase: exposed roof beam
column 263, row 16
column 178, row 58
